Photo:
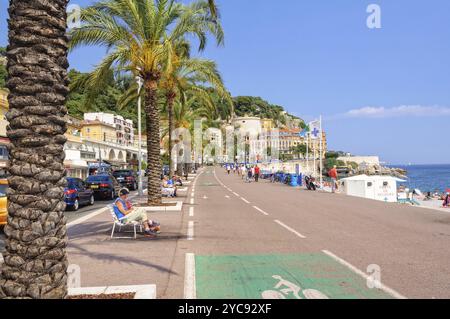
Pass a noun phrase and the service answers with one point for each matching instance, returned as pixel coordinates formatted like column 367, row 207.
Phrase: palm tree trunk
column 170, row 101
column 153, row 142
column 35, row 261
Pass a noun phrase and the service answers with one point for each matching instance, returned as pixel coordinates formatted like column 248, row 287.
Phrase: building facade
column 4, row 140
column 124, row 130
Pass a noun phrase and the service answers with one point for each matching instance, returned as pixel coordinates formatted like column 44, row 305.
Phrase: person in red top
column 334, row 175
column 257, row 172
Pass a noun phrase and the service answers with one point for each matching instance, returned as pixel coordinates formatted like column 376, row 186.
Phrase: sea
column 427, row 178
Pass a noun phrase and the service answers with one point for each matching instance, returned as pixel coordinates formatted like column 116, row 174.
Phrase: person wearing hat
column 126, row 213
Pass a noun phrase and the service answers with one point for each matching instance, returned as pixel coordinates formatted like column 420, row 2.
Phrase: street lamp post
column 140, row 84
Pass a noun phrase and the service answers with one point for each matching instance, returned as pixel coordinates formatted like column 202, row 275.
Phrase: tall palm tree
column 140, row 36
column 35, row 262
column 184, row 74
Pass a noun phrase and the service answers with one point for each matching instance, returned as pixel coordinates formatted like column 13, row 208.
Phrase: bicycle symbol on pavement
column 291, row 288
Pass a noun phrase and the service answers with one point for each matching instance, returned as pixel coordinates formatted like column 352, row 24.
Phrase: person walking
column 446, row 203
column 249, row 175
column 334, row 176
column 272, row 174
column 257, row 172
column 243, row 171
column 228, row 169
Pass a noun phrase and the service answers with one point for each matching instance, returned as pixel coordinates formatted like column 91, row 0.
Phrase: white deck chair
column 120, row 223
column 166, row 192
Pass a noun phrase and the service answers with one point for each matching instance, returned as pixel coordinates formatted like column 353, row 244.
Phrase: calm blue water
column 428, row 177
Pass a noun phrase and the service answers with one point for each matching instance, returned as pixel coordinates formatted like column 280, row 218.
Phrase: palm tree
column 35, row 262
column 185, row 74
column 140, row 36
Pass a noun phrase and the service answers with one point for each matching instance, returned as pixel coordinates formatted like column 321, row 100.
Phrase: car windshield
column 3, row 189
column 98, row 178
column 122, row 173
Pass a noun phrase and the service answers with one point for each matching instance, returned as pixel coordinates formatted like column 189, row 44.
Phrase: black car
column 105, row 186
column 126, row 178
column 76, row 194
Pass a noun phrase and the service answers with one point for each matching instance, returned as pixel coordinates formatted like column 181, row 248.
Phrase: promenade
column 238, row 240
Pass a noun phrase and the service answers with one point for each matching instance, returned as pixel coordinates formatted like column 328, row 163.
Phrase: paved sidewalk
column 117, row 262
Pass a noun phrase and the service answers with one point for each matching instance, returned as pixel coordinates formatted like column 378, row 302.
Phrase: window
column 4, row 152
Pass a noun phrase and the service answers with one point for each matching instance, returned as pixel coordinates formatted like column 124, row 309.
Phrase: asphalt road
column 247, row 233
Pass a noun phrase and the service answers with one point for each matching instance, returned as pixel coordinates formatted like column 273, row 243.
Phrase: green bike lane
column 240, row 253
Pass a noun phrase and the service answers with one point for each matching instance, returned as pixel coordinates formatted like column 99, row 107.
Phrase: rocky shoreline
column 381, row 170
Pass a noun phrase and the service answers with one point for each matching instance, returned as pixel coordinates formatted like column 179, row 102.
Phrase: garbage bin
column 294, row 180
column 300, row 180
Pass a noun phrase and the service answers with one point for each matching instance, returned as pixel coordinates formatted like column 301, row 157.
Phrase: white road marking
column 290, row 229
column 386, row 289
column 205, row 197
column 193, row 195
column 246, row 201
column 192, row 201
column 189, row 278
column 190, row 233
column 236, row 194
column 191, row 211
column 226, row 196
column 260, row 210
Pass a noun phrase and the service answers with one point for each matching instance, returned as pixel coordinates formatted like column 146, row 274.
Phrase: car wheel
column 92, row 200
column 76, row 205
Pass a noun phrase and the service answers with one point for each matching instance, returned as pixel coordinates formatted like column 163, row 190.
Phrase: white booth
column 381, row 188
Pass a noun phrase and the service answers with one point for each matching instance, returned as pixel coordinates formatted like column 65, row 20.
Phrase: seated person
column 125, row 212
column 177, row 180
column 168, row 187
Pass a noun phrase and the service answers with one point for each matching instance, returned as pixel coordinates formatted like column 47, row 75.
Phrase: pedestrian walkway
column 122, row 262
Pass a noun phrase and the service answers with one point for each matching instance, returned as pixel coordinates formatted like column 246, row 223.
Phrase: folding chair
column 121, row 224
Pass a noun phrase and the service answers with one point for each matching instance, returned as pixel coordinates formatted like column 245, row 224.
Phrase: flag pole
column 307, row 152
column 314, row 160
column 321, row 153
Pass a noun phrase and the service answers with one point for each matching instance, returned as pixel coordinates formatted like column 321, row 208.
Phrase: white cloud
column 398, row 111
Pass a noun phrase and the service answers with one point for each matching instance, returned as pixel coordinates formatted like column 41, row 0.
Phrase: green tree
column 300, row 150
column 141, row 36
column 35, row 261
column 182, row 74
column 3, row 75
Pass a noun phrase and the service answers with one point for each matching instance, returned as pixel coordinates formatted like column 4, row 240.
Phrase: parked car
column 77, row 193
column 3, row 202
column 126, row 178
column 105, row 186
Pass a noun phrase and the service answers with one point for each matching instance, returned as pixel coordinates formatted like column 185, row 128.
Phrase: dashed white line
column 193, row 195
column 386, row 289
column 246, row 201
column 189, row 278
column 236, row 194
column 191, row 211
column 290, row 229
column 190, row 233
column 228, row 197
column 260, row 210
column 192, row 201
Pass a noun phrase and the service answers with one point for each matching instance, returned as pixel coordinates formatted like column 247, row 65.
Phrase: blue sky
column 384, row 91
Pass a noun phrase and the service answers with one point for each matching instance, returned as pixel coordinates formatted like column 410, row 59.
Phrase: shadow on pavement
column 79, row 250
